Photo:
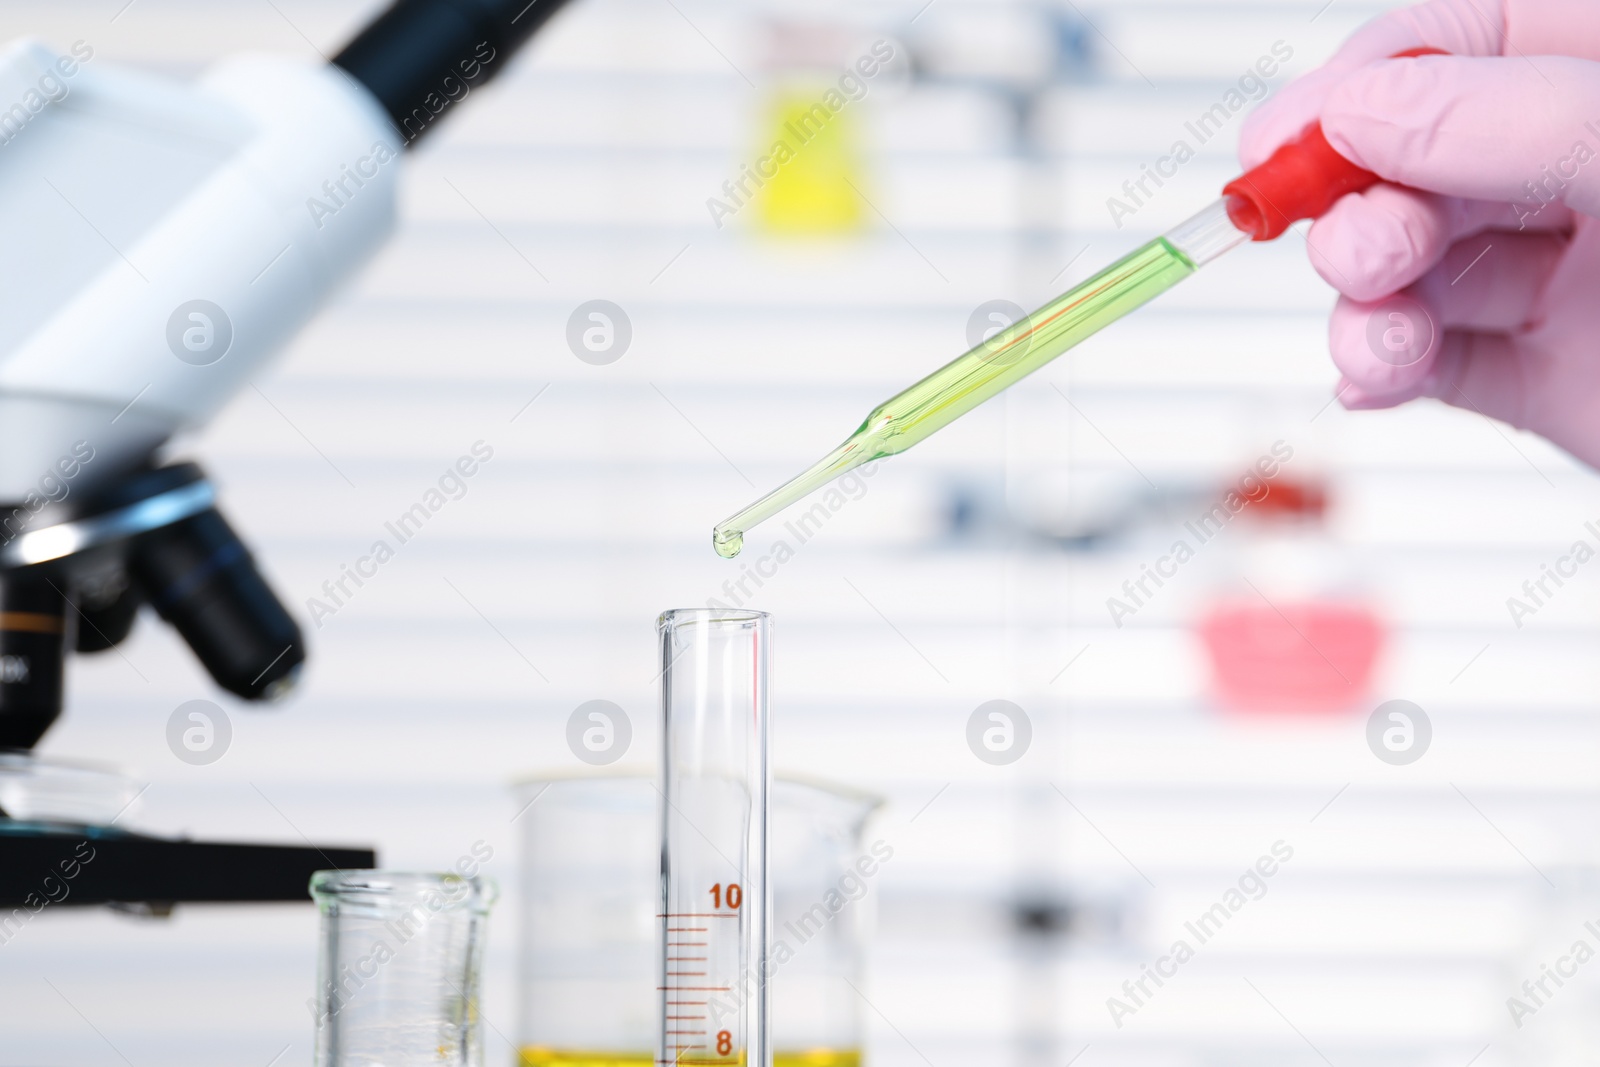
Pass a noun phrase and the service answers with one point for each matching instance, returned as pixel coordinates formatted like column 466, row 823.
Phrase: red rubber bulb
column 1302, row 180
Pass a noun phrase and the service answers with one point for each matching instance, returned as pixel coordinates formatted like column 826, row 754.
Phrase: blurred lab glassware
column 590, row 882
column 591, row 873
column 808, row 164
column 1290, row 627
column 820, row 874
column 1546, row 971
column 398, row 968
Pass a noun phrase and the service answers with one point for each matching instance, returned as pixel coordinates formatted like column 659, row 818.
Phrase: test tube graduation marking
column 713, row 844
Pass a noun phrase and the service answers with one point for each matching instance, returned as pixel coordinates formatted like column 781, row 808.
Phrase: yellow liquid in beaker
column 536, row 1056
column 818, row 1057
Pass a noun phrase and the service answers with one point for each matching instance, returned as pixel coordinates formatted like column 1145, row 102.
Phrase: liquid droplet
column 728, row 543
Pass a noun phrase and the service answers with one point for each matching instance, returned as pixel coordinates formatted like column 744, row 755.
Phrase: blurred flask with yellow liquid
column 808, row 160
column 815, row 190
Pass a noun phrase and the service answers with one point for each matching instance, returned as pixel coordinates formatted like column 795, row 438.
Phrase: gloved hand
column 1496, row 233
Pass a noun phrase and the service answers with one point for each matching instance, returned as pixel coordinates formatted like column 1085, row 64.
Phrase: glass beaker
column 820, row 875
column 591, row 879
column 591, row 875
column 398, row 968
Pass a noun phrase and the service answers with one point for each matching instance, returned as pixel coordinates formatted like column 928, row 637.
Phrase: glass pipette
column 1302, row 180
column 1010, row 355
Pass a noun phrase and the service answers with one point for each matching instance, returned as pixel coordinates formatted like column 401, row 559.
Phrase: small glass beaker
column 398, row 969
column 591, row 878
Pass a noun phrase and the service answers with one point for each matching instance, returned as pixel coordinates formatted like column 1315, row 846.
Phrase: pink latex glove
column 1495, row 235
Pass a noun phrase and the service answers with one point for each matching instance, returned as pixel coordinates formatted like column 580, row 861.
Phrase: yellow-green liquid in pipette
column 994, row 366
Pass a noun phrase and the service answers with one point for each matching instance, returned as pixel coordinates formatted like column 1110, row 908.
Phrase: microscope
column 187, row 232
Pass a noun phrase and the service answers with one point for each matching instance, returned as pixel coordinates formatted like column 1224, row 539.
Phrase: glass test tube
column 715, row 900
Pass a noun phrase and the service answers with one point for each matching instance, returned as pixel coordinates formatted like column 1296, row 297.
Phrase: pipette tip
column 728, row 543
